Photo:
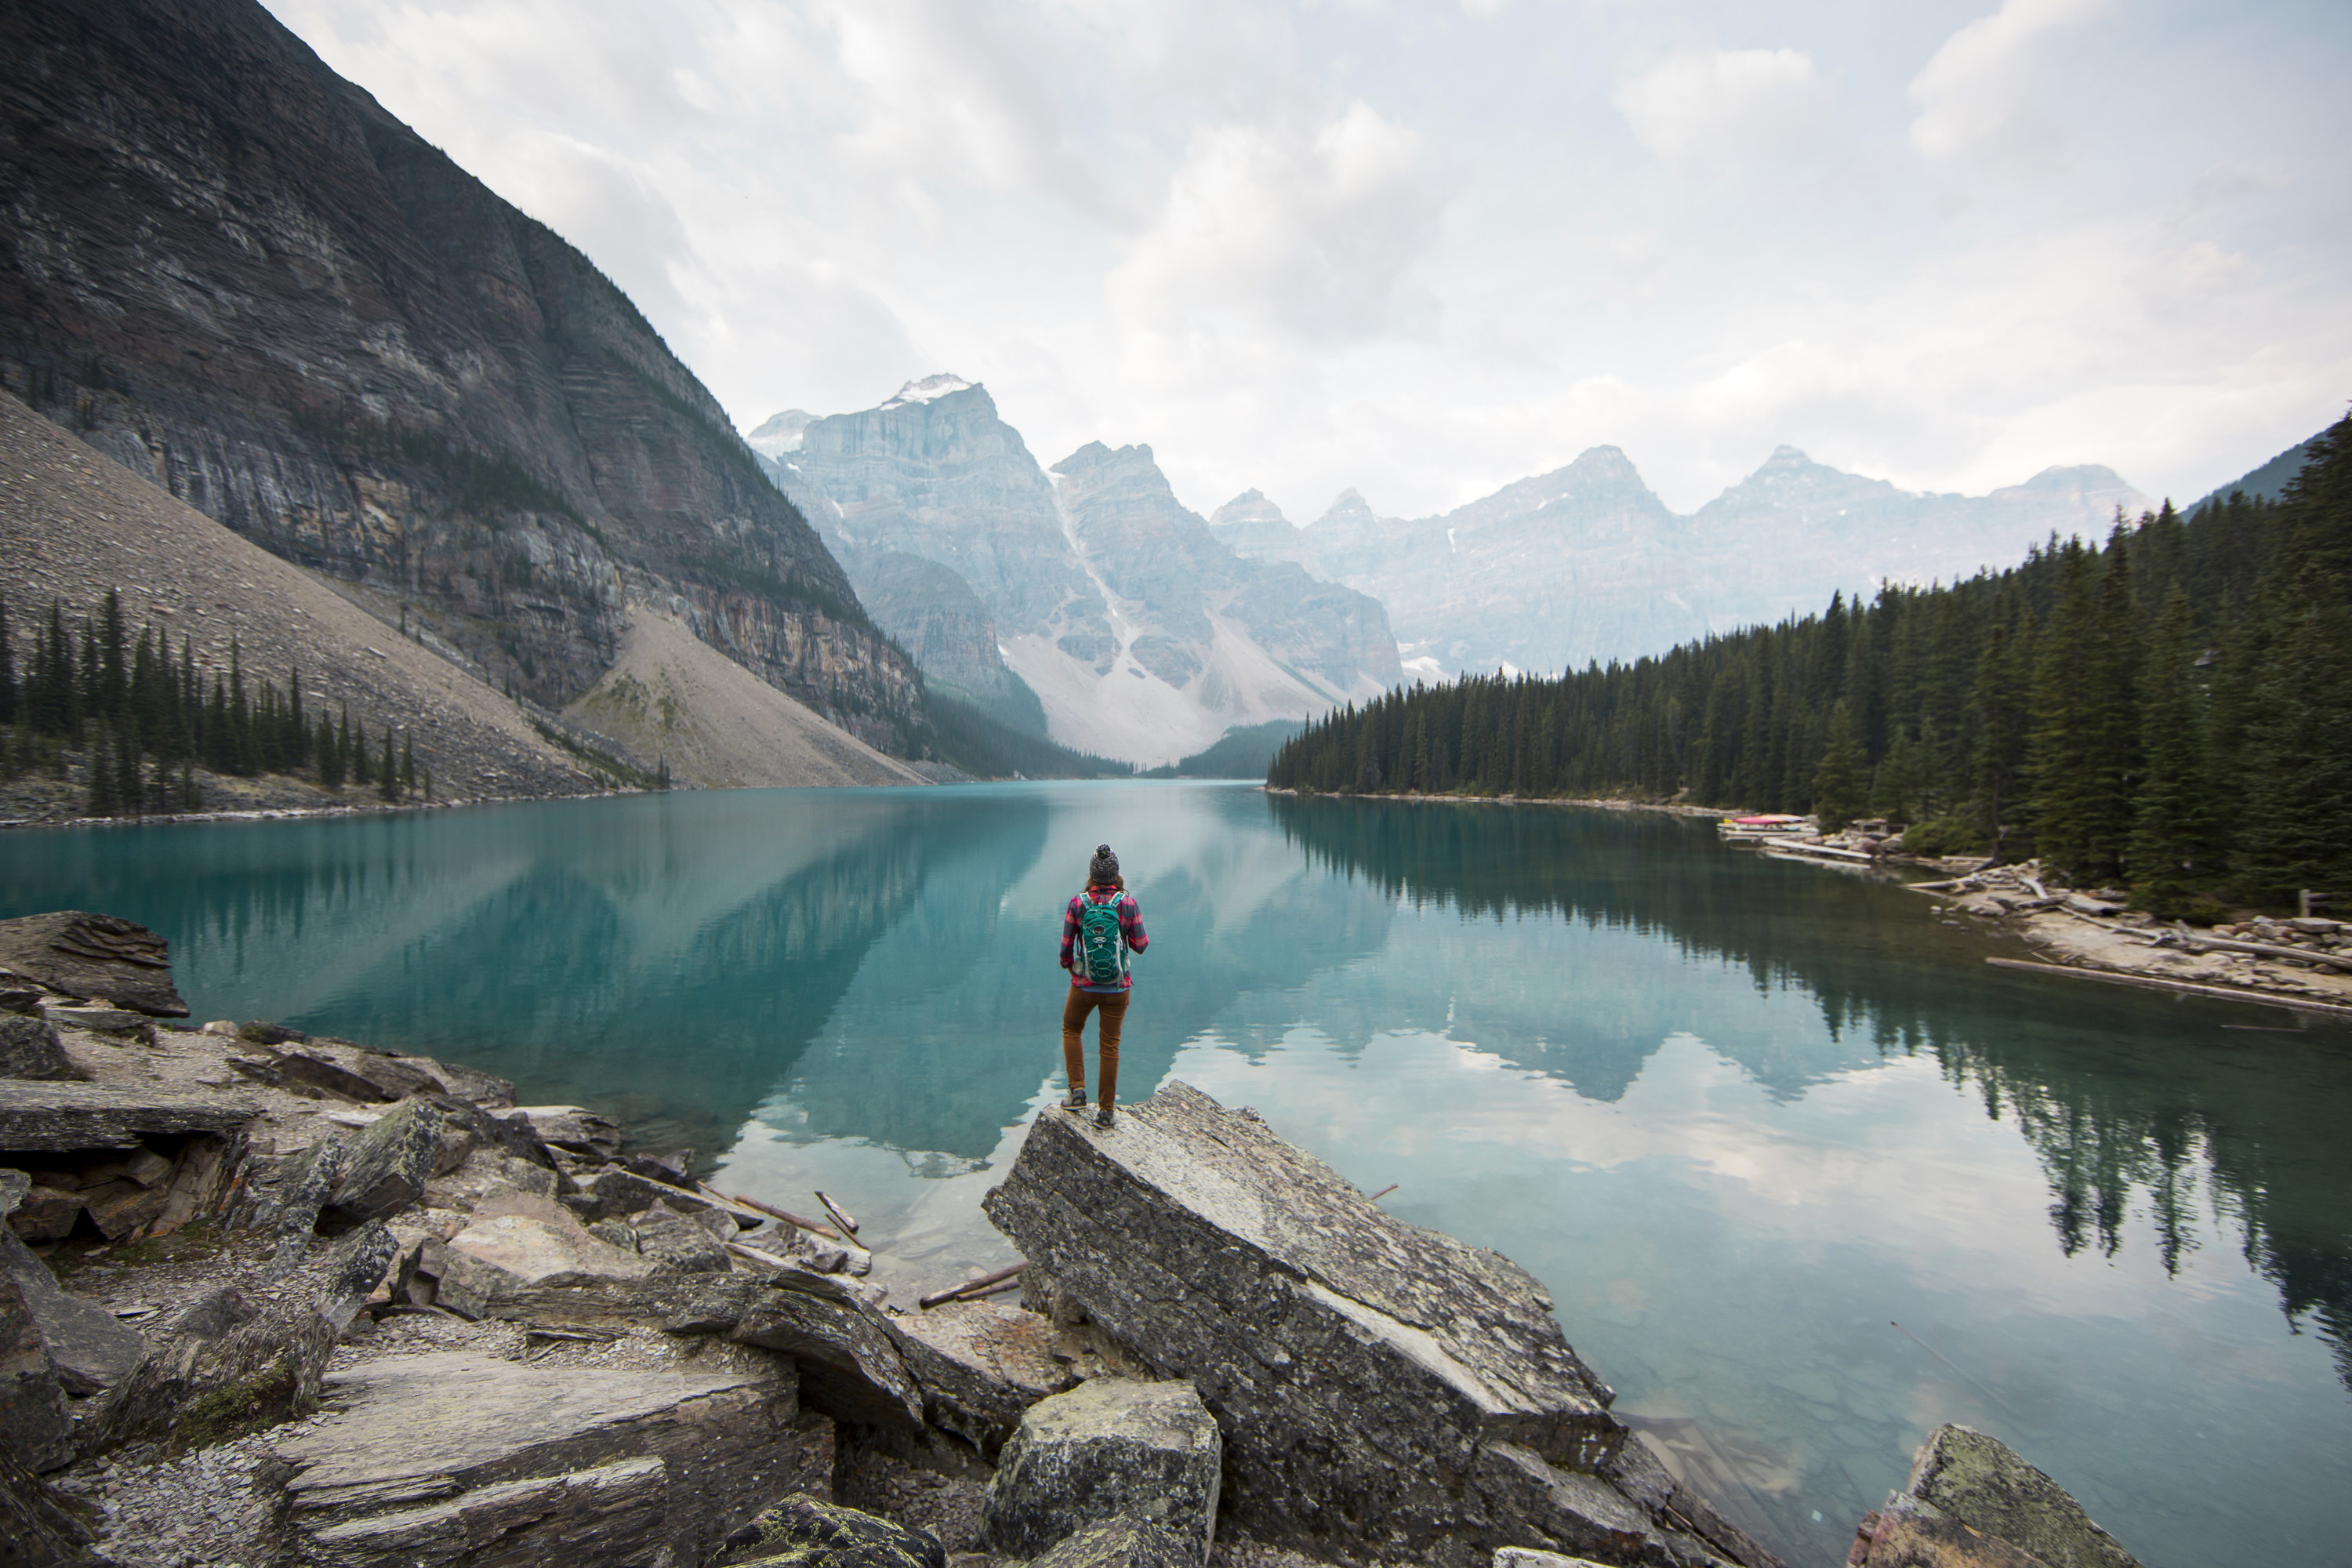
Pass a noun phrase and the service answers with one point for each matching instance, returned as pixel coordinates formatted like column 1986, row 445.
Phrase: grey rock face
column 1382, row 1387
column 29, row 1048
column 1110, row 1448
column 803, row 1532
column 102, row 957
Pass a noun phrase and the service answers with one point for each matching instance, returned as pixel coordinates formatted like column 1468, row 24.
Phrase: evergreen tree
column 2063, row 753
column 2172, row 822
column 388, row 776
column 1838, row 794
column 2297, row 832
column 408, row 765
column 104, row 798
column 131, row 796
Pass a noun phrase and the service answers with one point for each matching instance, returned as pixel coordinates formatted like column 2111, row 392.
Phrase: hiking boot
column 1075, row 1100
column 1106, row 1117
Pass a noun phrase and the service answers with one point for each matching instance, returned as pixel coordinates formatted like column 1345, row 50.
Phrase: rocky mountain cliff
column 235, row 272
column 1143, row 635
column 1586, row 563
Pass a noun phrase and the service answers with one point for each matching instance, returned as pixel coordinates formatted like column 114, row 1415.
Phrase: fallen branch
column 2340, row 962
column 2225, row 992
column 773, row 1212
column 1386, row 1190
column 965, row 1291
column 840, row 1215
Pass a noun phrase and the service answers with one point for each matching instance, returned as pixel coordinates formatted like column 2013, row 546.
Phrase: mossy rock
column 801, row 1532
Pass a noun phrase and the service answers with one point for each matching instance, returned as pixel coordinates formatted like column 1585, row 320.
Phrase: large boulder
column 83, row 954
column 981, row 1367
column 1973, row 1502
column 533, row 1242
column 1383, row 1389
column 1110, row 1448
column 462, row 1457
column 91, row 1348
column 35, row 1429
column 805, row 1532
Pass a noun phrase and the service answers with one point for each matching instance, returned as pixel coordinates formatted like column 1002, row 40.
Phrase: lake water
column 1805, row 1176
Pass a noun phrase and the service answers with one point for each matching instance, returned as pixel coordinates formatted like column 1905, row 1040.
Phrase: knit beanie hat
column 1103, row 870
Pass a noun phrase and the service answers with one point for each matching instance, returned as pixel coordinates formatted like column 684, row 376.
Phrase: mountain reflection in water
column 1742, row 1117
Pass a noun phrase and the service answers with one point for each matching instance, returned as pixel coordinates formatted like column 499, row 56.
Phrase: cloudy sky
column 1423, row 248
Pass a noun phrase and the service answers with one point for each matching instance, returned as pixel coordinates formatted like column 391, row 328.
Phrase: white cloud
column 1316, row 235
column 1718, row 105
column 1976, row 94
column 1415, row 249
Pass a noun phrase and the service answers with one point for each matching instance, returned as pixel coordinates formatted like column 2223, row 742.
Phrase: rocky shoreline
column 271, row 1299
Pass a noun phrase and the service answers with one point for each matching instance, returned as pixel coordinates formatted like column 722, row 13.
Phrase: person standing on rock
column 1100, row 927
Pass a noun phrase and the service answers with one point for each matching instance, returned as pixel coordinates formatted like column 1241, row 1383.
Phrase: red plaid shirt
column 1131, row 927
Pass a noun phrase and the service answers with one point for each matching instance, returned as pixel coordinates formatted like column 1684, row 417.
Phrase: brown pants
column 1073, row 1026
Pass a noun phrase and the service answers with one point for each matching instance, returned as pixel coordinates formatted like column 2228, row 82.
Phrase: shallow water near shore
column 1804, row 1175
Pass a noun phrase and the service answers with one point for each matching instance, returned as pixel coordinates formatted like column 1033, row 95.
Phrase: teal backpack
column 1102, row 952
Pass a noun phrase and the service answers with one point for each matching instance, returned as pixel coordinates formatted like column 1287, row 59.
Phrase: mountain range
column 1587, row 563
column 1085, row 596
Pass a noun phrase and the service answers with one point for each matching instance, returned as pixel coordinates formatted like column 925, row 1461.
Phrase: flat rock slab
column 1380, row 1386
column 980, row 1366
column 100, row 956
column 1109, row 1449
column 71, row 1116
column 436, row 1458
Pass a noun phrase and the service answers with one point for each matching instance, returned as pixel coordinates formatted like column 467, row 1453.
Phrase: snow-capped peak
column 929, row 390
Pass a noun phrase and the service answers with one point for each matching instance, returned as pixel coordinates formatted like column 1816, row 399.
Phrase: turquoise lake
column 1804, row 1175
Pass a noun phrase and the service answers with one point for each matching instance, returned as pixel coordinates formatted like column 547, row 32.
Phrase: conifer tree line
column 2171, row 709
column 145, row 717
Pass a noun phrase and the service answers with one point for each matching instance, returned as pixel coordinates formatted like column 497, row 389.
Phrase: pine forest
column 139, row 719
column 2170, row 710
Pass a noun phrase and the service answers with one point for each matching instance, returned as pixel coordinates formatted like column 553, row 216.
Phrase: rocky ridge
column 232, row 271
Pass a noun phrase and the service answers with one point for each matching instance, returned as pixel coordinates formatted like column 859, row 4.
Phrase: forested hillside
column 2173, row 707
